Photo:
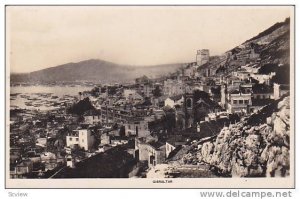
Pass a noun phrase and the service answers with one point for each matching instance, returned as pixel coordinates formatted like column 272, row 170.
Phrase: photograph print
column 149, row 96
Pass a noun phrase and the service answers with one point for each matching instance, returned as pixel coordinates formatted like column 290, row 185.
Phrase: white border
column 50, row 193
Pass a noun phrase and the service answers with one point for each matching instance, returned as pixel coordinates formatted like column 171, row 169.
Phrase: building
column 138, row 128
column 22, row 169
column 174, row 142
column 262, row 91
column 104, row 139
column 82, row 138
column 132, row 95
column 92, row 117
column 153, row 152
column 173, row 87
column 280, row 90
column 70, row 161
column 239, row 100
column 202, row 56
column 175, row 100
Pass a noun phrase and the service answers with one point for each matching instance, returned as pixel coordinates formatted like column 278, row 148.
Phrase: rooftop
column 113, row 163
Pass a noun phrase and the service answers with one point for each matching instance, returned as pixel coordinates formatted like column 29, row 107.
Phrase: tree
column 157, row 92
column 81, row 107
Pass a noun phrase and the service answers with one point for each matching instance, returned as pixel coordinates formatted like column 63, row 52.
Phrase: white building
column 280, row 89
column 138, row 128
column 70, row 161
column 82, row 138
column 175, row 100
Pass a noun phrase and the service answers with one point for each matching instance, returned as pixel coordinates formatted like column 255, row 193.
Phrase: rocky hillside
column 257, row 146
column 93, row 70
column 273, row 48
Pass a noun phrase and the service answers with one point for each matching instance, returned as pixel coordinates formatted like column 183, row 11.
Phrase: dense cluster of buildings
column 151, row 118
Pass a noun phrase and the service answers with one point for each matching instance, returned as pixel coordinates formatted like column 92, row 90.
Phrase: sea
column 40, row 97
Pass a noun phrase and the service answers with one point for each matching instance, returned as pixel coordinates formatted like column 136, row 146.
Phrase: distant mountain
column 273, row 46
column 94, row 70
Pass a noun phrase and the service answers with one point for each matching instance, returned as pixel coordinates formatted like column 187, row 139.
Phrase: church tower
column 188, row 110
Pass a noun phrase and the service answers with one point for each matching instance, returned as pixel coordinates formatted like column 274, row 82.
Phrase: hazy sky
column 41, row 37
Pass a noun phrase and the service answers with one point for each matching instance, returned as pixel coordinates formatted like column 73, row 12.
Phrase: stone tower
column 202, row 56
column 188, row 110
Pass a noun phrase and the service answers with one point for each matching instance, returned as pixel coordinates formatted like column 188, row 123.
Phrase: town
column 148, row 128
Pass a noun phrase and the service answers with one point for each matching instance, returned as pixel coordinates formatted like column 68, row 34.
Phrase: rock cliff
column 245, row 150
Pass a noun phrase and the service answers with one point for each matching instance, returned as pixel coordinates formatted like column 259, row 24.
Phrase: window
column 240, row 101
column 19, row 169
column 234, row 101
column 82, row 140
column 70, row 139
column 246, row 101
column 129, row 127
column 77, row 139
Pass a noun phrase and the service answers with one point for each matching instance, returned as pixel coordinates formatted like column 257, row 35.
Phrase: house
column 92, row 117
column 156, row 153
column 42, row 142
column 82, row 138
column 104, row 139
column 280, row 90
column 174, row 142
column 239, row 100
column 262, row 91
column 22, row 169
column 153, row 152
column 172, row 101
column 173, row 87
column 137, row 127
column 70, row 161
column 131, row 95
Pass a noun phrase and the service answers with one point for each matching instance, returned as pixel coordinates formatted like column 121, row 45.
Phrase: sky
column 39, row 37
